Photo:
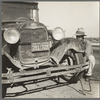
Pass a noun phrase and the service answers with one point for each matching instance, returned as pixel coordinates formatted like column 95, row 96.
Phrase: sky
column 70, row 16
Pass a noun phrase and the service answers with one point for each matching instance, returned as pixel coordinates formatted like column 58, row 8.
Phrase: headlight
column 58, row 33
column 11, row 35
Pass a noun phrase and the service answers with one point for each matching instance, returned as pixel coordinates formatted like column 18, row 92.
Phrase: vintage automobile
column 30, row 51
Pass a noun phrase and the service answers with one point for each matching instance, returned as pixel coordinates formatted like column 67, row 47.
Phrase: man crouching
column 88, row 54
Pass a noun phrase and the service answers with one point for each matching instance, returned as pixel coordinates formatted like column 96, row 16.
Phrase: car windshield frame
column 13, row 10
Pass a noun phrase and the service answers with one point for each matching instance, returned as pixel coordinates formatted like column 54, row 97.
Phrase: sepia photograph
column 50, row 49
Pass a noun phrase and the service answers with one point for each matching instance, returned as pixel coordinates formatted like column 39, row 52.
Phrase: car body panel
column 61, row 47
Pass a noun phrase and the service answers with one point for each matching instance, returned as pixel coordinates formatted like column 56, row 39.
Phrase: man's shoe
column 88, row 74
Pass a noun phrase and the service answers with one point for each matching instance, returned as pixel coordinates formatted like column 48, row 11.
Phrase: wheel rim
column 72, row 58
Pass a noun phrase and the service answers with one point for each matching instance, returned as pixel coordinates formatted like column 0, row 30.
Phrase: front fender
column 60, row 48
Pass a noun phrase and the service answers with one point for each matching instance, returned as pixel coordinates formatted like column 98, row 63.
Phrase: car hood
column 22, row 25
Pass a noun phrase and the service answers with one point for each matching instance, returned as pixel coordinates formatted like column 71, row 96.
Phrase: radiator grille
column 33, row 35
column 28, row 37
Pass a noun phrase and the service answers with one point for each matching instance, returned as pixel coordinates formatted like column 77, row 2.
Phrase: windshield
column 12, row 11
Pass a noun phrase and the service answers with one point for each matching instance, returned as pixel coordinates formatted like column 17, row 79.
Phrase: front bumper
column 8, row 78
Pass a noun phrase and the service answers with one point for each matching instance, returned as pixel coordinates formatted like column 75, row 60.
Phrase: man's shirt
column 88, row 47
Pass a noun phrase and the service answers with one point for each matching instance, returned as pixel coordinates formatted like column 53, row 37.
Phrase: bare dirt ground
column 54, row 90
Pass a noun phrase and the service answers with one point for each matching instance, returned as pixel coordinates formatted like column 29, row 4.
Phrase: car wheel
column 72, row 58
column 4, row 90
column 5, row 64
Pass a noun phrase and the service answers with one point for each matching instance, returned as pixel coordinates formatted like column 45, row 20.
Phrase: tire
column 4, row 90
column 5, row 65
column 73, row 58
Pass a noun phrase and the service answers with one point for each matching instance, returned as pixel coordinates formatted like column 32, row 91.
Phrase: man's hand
column 85, row 59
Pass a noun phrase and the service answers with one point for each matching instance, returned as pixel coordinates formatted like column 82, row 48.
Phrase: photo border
column 1, row 57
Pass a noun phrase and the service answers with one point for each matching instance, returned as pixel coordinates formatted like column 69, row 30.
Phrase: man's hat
column 80, row 32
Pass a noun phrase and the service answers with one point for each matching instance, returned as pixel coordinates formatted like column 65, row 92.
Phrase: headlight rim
column 5, row 35
column 63, row 35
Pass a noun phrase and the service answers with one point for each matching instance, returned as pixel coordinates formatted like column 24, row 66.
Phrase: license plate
column 44, row 46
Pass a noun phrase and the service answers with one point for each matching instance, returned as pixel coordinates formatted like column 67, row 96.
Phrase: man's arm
column 88, row 50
